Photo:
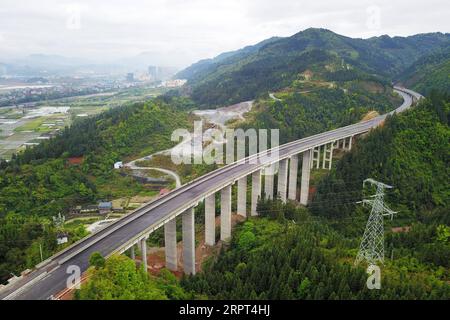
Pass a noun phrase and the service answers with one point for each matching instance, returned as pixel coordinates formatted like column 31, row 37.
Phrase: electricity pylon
column 372, row 244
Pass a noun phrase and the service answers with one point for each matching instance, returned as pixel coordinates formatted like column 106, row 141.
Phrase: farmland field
column 21, row 127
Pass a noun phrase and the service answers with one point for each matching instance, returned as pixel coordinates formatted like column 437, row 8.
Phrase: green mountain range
column 275, row 63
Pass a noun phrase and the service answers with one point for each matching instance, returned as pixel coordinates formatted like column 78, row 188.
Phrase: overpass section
column 50, row 277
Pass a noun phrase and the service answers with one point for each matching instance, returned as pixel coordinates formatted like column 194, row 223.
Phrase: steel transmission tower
column 372, row 244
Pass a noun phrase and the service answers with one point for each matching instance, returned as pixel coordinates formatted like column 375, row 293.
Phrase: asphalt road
column 50, row 278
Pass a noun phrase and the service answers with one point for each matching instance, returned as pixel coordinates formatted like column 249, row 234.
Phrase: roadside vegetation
column 298, row 115
column 291, row 252
column 41, row 181
column 118, row 278
column 305, row 84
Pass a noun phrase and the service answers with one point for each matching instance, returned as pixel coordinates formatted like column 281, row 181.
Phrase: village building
column 104, row 207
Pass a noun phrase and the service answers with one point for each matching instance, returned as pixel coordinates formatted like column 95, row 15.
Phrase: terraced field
column 24, row 127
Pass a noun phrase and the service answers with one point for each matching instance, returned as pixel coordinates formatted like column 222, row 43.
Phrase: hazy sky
column 179, row 32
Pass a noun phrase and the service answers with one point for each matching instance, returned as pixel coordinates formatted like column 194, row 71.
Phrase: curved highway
column 49, row 277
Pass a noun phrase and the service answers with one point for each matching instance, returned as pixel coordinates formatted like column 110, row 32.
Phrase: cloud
column 183, row 31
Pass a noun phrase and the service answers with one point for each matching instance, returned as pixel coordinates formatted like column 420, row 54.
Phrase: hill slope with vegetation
column 293, row 252
column 428, row 73
column 246, row 74
column 289, row 253
column 299, row 113
column 41, row 182
column 409, row 152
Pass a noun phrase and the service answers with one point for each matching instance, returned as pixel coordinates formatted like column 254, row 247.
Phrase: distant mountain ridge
column 227, row 57
column 274, row 63
column 51, row 64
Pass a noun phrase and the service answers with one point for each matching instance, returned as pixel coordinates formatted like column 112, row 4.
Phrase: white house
column 118, row 165
column 61, row 238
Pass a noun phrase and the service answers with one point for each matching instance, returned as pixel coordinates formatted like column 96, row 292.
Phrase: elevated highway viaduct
column 50, row 277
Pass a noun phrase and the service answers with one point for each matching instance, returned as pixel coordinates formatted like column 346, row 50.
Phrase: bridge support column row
column 170, row 243
column 188, row 231
column 344, row 145
column 225, row 214
column 256, row 191
column 323, row 155
column 188, row 228
column 293, row 169
column 282, row 179
column 310, row 158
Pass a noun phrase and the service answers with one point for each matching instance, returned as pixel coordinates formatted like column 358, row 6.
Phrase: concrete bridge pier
column 268, row 181
column 293, row 169
column 170, row 243
column 345, row 143
column 306, row 170
column 242, row 197
column 327, row 156
column 256, row 191
column 282, row 179
column 210, row 220
column 225, row 213
column 188, row 232
column 132, row 253
column 315, row 157
column 144, row 252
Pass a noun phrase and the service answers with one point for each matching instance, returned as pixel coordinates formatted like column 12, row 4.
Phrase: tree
column 96, row 260
column 442, row 233
column 119, row 279
column 304, row 288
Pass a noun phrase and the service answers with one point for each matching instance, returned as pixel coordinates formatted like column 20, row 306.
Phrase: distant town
column 36, row 105
column 27, row 91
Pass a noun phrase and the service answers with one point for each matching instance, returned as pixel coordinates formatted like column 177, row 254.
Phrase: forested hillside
column 40, row 182
column 291, row 254
column 246, row 74
column 197, row 70
column 428, row 73
column 301, row 112
column 409, row 152
column 100, row 140
column 118, row 279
